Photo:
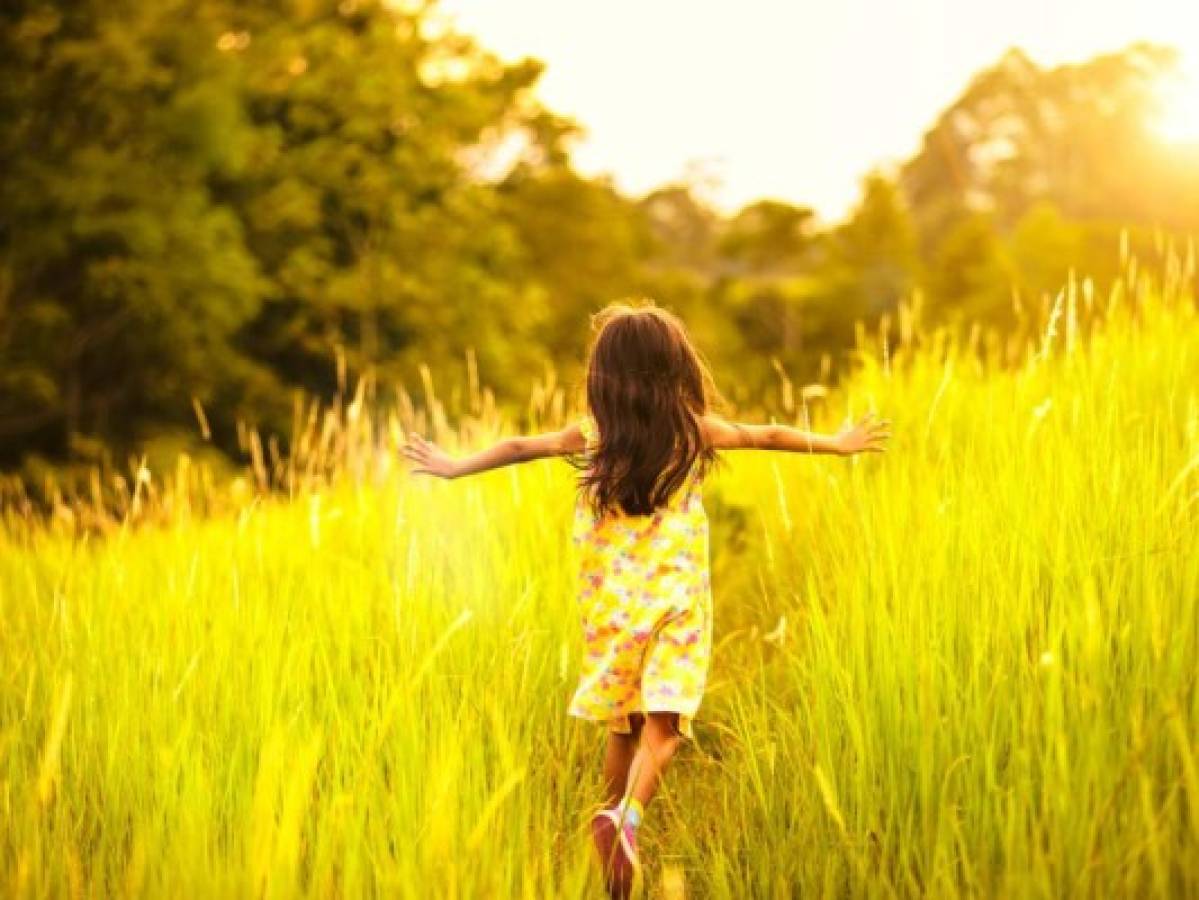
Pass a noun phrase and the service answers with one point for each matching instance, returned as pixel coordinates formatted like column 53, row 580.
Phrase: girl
column 644, row 447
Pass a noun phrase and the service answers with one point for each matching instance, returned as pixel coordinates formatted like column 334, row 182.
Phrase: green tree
column 220, row 211
column 582, row 245
column 971, row 277
column 1044, row 247
column 874, row 255
column 376, row 234
column 768, row 236
column 123, row 278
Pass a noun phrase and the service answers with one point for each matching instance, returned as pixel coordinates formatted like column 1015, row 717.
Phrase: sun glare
column 1178, row 119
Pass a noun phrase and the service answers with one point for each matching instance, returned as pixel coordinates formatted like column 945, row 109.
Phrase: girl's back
column 645, row 604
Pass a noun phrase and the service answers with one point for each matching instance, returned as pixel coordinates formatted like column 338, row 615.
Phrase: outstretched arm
column 432, row 460
column 869, row 434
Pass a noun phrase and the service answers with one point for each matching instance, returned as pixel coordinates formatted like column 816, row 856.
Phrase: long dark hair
column 647, row 388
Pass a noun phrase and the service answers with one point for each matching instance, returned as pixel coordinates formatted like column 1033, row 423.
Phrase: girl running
column 644, row 446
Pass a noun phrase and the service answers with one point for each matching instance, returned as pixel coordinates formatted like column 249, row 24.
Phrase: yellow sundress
column 645, row 602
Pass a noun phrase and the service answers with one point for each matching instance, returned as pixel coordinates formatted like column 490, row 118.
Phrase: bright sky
column 783, row 98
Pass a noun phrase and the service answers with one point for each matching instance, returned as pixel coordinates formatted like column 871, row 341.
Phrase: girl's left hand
column 429, row 458
column 868, row 435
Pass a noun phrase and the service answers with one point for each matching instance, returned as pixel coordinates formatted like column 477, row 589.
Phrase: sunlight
column 1177, row 121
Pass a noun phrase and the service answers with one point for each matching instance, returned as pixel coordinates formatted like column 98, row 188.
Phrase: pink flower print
column 692, row 638
column 596, row 579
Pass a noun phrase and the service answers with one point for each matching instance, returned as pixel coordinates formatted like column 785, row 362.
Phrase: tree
column 684, row 228
column 1071, row 136
column 123, row 278
column 768, row 236
column 377, row 238
column 1045, row 247
column 218, row 211
column 582, row 245
column 874, row 254
column 971, row 275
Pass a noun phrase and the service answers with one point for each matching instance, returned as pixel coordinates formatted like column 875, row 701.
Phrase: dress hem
column 620, row 723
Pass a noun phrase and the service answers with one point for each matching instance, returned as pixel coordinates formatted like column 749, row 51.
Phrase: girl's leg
column 660, row 741
column 617, row 758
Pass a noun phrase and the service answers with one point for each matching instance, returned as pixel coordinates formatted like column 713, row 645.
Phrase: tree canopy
column 223, row 203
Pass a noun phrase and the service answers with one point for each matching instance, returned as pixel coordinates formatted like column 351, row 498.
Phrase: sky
column 780, row 98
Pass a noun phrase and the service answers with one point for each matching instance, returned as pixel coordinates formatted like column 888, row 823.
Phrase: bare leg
column 660, row 741
column 617, row 758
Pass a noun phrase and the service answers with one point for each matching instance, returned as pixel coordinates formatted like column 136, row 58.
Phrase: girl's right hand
column 868, row 435
column 429, row 458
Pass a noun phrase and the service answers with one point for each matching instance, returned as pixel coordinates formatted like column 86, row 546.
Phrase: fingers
column 871, row 422
column 417, row 444
column 418, row 451
column 872, row 430
column 875, row 433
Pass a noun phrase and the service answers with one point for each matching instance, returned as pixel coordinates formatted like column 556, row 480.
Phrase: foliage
column 285, row 196
column 230, row 210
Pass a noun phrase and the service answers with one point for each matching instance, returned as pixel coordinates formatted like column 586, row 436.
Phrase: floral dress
column 646, row 606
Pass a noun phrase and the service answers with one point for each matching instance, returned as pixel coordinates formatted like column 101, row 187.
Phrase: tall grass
column 966, row 668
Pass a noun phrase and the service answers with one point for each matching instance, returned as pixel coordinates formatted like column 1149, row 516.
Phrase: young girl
column 642, row 537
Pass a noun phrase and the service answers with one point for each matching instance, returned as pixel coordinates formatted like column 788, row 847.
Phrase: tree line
column 214, row 205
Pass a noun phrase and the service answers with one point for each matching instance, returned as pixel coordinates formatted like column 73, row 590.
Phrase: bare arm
column 430, row 459
column 868, row 435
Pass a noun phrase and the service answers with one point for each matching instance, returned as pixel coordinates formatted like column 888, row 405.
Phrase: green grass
column 966, row 668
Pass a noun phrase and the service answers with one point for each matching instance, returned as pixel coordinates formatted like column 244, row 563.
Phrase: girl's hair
column 647, row 388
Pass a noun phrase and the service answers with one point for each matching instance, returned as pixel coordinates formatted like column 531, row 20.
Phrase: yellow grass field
column 966, row 668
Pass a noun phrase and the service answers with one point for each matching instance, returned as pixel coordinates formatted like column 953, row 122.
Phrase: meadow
column 965, row 668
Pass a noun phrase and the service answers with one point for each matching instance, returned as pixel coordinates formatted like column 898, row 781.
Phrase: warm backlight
column 1178, row 118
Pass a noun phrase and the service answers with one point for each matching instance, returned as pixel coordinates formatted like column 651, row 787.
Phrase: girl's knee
column 662, row 729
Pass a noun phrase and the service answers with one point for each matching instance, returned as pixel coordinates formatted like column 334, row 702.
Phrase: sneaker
column 617, row 847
